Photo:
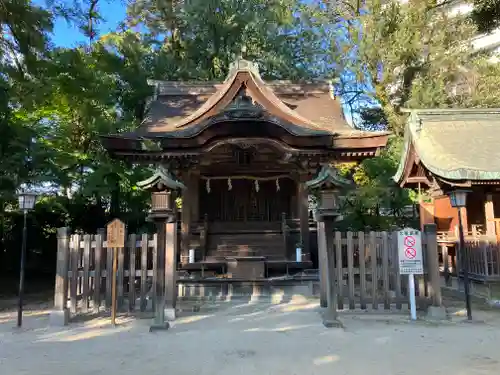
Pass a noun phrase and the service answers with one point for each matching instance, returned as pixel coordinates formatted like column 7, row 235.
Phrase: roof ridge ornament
column 417, row 121
column 243, row 106
column 241, row 64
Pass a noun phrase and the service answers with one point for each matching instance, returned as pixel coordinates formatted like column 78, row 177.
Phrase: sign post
column 115, row 240
column 410, row 261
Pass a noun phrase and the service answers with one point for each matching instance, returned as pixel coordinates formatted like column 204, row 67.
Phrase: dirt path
column 253, row 339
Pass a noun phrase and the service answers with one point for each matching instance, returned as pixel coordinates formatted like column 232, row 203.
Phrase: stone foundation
column 254, row 290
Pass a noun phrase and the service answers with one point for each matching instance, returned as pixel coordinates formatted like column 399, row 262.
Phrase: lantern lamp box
column 328, row 199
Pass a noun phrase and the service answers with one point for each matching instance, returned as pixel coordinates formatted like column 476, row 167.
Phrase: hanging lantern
column 208, row 185
column 277, row 184
column 257, row 186
column 229, row 184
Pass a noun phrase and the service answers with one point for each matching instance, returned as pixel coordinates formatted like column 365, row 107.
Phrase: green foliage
column 403, row 55
column 413, row 55
column 486, row 14
column 55, row 102
column 200, row 38
column 376, row 202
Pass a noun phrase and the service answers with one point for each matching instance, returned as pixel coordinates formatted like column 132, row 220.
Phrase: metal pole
column 465, row 267
column 411, row 291
column 21, row 273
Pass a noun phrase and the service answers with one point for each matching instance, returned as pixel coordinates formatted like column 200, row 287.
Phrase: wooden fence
column 89, row 263
column 367, row 266
column 366, row 263
column 483, row 259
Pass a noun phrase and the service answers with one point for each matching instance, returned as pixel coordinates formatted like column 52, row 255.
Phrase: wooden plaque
column 116, row 233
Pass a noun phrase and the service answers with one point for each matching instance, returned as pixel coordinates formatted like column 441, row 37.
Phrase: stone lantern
column 162, row 186
column 328, row 185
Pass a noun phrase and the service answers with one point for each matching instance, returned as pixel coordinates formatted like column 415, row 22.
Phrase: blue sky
column 68, row 35
column 113, row 12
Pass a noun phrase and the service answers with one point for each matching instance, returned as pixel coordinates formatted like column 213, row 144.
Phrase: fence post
column 322, row 259
column 484, row 249
column 436, row 310
column 59, row 316
column 170, row 277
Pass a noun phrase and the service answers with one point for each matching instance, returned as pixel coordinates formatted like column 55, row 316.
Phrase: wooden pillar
column 426, row 210
column 303, row 211
column 294, row 206
column 170, row 270
column 187, row 203
column 446, row 263
column 160, row 275
column 433, row 264
column 322, row 260
column 489, row 215
column 60, row 315
column 330, row 316
column 465, row 222
column 195, row 196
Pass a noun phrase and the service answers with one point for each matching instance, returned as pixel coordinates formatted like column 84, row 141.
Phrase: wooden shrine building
column 454, row 148
column 244, row 149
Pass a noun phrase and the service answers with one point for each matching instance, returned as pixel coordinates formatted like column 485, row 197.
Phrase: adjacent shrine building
column 454, row 149
column 244, row 149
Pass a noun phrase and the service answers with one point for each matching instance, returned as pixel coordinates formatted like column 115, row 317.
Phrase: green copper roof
column 163, row 176
column 326, row 175
column 455, row 144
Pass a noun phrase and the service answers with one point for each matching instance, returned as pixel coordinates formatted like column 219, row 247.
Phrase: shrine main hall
column 243, row 151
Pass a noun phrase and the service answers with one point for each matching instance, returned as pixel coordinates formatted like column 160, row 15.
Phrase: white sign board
column 410, row 252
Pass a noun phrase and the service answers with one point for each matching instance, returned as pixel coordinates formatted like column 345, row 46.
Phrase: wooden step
column 250, row 240
column 254, row 243
column 243, row 227
column 244, row 238
column 220, row 258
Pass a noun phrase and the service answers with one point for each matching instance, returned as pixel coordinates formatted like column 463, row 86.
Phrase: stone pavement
column 260, row 338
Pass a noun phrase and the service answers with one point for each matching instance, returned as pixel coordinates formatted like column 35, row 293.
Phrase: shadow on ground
column 246, row 338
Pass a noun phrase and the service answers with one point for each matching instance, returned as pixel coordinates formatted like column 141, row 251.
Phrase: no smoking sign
column 410, row 243
column 410, row 252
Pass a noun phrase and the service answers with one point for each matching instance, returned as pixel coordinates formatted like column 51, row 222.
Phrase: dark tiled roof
column 183, row 111
column 179, row 105
column 166, row 112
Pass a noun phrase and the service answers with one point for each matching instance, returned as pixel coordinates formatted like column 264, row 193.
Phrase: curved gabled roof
column 245, row 76
column 185, row 115
column 308, row 109
column 454, row 144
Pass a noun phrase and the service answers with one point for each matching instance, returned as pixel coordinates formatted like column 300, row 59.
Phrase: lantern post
column 458, row 199
column 26, row 201
column 162, row 186
column 328, row 185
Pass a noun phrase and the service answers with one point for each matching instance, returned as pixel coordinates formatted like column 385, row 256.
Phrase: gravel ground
column 260, row 338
